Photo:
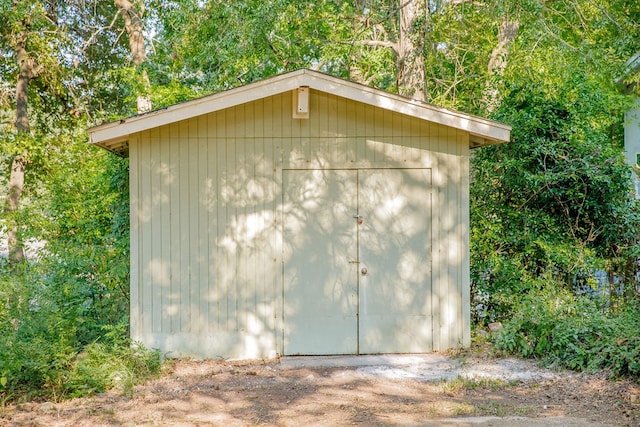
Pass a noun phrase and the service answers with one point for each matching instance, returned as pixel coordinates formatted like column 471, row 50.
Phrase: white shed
column 302, row 214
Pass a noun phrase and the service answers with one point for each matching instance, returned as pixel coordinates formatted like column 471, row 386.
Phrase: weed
column 499, row 409
column 462, row 383
column 462, row 409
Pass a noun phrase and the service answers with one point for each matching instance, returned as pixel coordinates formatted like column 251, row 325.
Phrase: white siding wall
column 206, row 244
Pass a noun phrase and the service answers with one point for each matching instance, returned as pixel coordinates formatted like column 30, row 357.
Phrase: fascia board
column 475, row 125
column 197, row 107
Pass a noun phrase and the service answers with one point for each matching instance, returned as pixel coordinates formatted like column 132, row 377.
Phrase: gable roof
column 114, row 136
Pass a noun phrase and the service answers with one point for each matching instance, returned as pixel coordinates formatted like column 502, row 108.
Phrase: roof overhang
column 114, row 136
column 632, row 66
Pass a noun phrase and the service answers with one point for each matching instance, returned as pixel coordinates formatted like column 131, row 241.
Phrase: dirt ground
column 198, row 393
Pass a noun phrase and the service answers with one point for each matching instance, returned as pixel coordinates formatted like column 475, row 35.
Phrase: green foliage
column 260, row 39
column 89, row 241
column 555, row 203
column 36, row 341
column 40, row 342
column 116, row 363
column 64, row 316
column 574, row 333
column 72, row 295
column 463, row 384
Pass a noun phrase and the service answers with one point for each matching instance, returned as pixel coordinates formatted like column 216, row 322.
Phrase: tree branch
column 92, row 39
column 377, row 43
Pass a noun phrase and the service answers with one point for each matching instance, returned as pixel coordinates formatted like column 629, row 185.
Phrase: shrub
column 58, row 310
column 574, row 332
column 37, row 342
column 40, row 356
column 102, row 367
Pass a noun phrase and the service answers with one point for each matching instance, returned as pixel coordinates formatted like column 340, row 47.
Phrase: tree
column 498, row 61
column 374, row 42
column 400, row 26
column 554, row 205
column 410, row 49
column 132, row 13
column 30, row 33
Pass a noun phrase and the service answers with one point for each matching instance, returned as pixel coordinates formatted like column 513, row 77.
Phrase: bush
column 42, row 358
column 36, row 342
column 102, row 367
column 575, row 333
column 63, row 314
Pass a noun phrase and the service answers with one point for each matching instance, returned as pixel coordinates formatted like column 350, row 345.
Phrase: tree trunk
column 28, row 71
column 498, row 62
column 410, row 62
column 132, row 15
column 16, row 185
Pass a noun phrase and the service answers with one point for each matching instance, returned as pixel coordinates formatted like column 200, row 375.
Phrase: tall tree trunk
column 28, row 71
column 16, row 186
column 411, row 66
column 131, row 13
column 498, row 62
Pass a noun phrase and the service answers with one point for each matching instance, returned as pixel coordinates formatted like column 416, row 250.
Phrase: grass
column 499, row 409
column 460, row 384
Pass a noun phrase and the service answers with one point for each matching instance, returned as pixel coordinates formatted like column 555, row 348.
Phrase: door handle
column 364, row 271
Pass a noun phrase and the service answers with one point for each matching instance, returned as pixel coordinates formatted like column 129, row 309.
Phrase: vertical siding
column 154, row 241
column 465, row 280
column 229, row 235
column 146, row 295
column 184, row 283
column 202, row 251
column 451, row 237
column 166, row 177
column 173, row 230
column 210, row 198
column 438, row 259
column 206, row 266
column 134, row 230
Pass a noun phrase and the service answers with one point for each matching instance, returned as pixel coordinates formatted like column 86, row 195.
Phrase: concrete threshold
column 353, row 361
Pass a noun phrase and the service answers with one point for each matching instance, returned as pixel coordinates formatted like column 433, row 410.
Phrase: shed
column 299, row 215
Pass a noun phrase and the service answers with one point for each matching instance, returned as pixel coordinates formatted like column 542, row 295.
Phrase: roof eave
column 632, row 66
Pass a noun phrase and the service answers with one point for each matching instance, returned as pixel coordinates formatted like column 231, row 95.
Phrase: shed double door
column 357, row 261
